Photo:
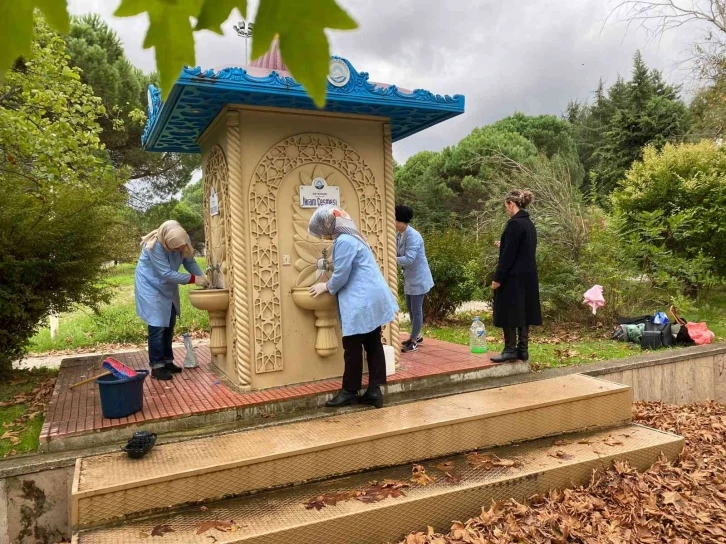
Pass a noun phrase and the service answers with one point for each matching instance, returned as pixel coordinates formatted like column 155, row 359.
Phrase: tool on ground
column 112, row 366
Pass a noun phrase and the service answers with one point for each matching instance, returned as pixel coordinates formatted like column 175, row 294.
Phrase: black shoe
column 505, row 357
column 343, row 398
column 419, row 340
column 409, row 346
column 373, row 396
column 523, row 355
column 161, row 374
column 171, row 367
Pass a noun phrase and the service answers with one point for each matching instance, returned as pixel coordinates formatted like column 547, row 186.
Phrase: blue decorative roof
column 198, row 96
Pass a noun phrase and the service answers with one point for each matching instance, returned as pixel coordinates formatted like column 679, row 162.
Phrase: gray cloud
column 504, row 55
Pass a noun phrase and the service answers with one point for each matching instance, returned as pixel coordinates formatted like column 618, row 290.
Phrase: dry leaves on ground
column 36, row 401
column 161, row 530
column 671, row 503
column 220, row 525
column 419, row 476
column 375, row 492
column 487, row 461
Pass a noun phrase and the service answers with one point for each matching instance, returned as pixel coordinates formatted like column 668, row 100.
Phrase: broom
column 112, row 366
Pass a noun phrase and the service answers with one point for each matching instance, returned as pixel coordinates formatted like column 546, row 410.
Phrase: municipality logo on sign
column 319, row 193
column 338, row 73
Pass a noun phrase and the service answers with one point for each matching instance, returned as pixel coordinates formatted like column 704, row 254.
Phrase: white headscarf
column 172, row 237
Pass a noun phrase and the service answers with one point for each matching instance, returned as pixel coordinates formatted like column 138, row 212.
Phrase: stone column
column 392, row 270
column 239, row 295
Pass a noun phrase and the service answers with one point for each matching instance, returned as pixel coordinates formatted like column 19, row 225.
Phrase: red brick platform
column 201, row 392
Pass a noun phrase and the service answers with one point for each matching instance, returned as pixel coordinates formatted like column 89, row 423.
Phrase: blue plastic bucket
column 121, row 397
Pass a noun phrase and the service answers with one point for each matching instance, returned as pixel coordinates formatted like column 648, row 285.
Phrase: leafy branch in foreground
column 299, row 25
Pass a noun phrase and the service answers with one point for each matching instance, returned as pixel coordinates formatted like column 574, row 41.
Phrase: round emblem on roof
column 338, row 73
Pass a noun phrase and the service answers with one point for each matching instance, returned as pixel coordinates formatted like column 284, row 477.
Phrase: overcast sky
column 531, row 56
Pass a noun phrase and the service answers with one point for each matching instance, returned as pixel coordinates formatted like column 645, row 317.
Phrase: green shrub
column 455, row 266
column 60, row 197
column 674, row 198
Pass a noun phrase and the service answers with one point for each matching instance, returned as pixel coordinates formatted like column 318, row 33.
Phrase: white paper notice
column 213, row 203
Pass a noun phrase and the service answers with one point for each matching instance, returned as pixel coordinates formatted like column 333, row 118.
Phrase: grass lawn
column 22, row 404
column 556, row 345
column 549, row 346
column 117, row 322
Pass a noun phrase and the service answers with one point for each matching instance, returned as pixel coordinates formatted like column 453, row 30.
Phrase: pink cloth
column 594, row 298
column 699, row 333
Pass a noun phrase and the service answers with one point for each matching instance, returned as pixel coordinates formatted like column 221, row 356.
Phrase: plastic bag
column 594, row 298
column 699, row 333
column 661, row 319
column 190, row 360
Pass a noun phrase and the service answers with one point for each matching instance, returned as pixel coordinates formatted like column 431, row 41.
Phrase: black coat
column 516, row 302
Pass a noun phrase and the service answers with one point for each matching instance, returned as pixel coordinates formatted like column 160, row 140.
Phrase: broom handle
column 90, row 379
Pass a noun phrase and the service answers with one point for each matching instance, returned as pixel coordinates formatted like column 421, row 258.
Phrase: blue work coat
column 417, row 279
column 157, row 281
column 365, row 301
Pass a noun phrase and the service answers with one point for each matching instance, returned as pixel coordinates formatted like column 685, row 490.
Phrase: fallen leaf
column 219, row 525
column 672, row 497
column 559, row 454
column 483, row 461
column 445, row 466
column 203, row 508
column 419, row 476
column 161, row 530
column 331, row 499
column 561, row 443
column 506, row 463
column 610, row 441
column 584, row 441
column 451, row 478
column 142, row 534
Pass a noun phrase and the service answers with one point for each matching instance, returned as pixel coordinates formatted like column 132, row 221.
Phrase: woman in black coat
column 516, row 285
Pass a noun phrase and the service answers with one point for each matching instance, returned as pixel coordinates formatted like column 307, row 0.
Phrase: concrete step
column 282, row 517
column 112, row 486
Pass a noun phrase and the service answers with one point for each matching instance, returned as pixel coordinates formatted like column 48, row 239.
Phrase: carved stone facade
column 217, row 227
column 280, row 160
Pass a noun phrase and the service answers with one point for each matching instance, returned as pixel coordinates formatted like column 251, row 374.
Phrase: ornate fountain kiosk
column 270, row 157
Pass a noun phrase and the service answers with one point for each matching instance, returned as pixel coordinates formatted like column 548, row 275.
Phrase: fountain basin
column 302, row 297
column 216, row 302
column 325, row 308
column 210, row 300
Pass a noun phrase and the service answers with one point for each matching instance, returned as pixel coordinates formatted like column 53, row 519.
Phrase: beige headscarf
column 172, row 237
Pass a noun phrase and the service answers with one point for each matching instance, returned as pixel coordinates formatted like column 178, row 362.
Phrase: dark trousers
column 414, row 303
column 353, row 355
column 160, row 339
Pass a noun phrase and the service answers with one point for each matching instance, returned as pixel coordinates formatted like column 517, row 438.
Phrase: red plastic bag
column 699, row 333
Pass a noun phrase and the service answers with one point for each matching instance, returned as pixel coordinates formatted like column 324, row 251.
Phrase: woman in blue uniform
column 156, row 288
column 365, row 304
column 417, row 279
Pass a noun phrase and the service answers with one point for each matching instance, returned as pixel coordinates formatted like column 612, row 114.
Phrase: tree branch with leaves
column 172, row 23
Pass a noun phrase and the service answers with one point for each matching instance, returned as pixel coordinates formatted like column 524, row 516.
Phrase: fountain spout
column 211, row 272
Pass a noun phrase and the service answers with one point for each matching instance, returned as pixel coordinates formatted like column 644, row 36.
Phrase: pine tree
column 612, row 132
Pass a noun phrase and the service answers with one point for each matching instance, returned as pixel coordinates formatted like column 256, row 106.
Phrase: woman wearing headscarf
column 516, row 284
column 417, row 279
column 156, row 287
column 365, row 304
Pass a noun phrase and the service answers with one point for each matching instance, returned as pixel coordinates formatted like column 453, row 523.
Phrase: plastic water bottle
column 477, row 337
column 190, row 360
